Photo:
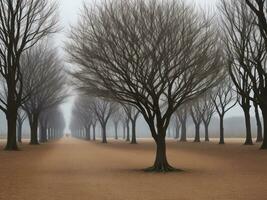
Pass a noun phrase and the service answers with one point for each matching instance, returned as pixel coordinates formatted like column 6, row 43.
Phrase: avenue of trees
column 170, row 62
column 31, row 72
column 165, row 62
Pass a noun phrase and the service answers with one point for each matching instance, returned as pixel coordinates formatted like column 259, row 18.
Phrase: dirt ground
column 72, row 169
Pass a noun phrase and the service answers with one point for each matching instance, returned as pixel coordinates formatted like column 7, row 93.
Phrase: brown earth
column 71, row 169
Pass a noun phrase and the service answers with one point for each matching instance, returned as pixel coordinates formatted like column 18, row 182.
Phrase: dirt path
column 71, row 169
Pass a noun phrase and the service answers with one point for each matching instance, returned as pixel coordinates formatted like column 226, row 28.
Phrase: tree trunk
column 128, row 132
column 124, row 132
column 116, row 131
column 161, row 164
column 264, row 115
column 259, row 126
column 206, row 125
column 183, row 133
column 177, row 132
column 43, row 134
column 11, row 117
column 34, row 130
column 133, row 132
column 94, row 127
column 19, row 132
column 104, row 134
column 197, row 130
column 88, row 134
column 221, row 130
column 248, row 125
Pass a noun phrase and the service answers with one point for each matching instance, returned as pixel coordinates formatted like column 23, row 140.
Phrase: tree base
column 162, row 169
column 11, row 149
column 34, row 143
column 222, row 143
column 248, row 143
column 133, row 142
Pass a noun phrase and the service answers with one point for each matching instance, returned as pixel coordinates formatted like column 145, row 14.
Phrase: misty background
column 69, row 12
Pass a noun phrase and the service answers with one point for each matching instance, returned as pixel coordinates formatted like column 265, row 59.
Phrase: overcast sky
column 69, row 13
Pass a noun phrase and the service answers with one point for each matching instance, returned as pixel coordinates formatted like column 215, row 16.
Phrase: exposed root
column 162, row 169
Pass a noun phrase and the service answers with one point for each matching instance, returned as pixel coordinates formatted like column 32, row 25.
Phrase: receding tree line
column 164, row 60
column 170, row 62
column 32, row 78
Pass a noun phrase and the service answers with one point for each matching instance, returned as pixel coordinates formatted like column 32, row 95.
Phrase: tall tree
column 238, row 26
column 224, row 100
column 154, row 55
column 196, row 114
column 208, row 109
column 257, row 71
column 22, row 116
column 22, row 24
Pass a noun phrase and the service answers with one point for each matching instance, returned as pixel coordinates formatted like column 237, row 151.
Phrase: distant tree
column 154, row 55
column 42, row 70
column 22, row 116
column 116, row 118
column 22, row 24
column 208, row 109
column 132, row 115
column 56, row 123
column 103, row 110
column 182, row 116
column 94, row 123
column 43, row 124
column 177, row 127
column 224, row 100
column 196, row 114
column 85, row 113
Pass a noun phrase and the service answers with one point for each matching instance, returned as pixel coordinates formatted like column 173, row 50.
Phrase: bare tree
column 196, row 114
column 258, row 121
column 257, row 71
column 182, row 116
column 22, row 24
column 103, row 110
column 41, row 66
column 116, row 118
column 154, row 55
column 132, row 115
column 238, row 26
column 224, row 100
column 84, row 112
column 22, row 116
column 208, row 110
column 177, row 126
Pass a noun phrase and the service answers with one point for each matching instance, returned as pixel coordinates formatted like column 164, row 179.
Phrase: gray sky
column 69, row 13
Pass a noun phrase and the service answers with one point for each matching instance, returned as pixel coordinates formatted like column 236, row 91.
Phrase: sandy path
column 71, row 169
